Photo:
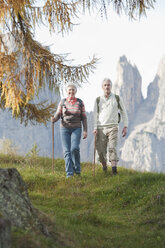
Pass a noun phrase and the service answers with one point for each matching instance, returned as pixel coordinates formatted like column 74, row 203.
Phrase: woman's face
column 71, row 91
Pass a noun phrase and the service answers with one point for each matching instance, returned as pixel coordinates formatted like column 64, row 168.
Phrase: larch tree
column 30, row 66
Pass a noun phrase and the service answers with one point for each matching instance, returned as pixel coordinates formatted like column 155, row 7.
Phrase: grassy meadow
column 91, row 211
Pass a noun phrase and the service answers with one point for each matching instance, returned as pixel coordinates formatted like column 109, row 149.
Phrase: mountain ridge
column 141, row 112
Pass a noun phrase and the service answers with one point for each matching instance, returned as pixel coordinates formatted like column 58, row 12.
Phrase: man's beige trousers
column 107, row 139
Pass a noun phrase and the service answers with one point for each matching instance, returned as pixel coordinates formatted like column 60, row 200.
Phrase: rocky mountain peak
column 123, row 59
column 128, row 85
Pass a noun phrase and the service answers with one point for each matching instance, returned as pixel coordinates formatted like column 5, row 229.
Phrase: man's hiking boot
column 114, row 170
column 104, row 168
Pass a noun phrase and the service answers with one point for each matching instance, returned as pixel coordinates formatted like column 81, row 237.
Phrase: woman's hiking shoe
column 114, row 170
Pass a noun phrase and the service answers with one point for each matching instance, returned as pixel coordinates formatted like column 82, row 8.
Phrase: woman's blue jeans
column 71, row 142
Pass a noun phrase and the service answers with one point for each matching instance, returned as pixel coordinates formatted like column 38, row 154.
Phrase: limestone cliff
column 128, row 85
column 144, row 148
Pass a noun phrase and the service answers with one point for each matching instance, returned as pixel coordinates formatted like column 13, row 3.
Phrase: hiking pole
column 94, row 156
column 52, row 147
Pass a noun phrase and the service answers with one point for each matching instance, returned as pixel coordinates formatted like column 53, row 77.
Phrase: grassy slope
column 101, row 211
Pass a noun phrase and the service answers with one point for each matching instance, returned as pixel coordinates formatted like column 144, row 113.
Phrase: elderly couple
column 106, row 114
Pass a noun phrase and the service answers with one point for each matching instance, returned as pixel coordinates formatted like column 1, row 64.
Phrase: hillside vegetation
column 91, row 211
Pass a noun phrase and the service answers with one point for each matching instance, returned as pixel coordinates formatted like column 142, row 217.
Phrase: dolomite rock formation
column 128, row 85
column 144, row 148
column 146, row 110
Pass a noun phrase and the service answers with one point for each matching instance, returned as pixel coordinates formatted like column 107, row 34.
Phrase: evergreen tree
column 30, row 66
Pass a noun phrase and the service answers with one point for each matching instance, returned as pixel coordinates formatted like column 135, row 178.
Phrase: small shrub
column 32, row 157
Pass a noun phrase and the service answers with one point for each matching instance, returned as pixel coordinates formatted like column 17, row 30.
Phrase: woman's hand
column 84, row 135
column 52, row 119
column 124, row 131
column 95, row 131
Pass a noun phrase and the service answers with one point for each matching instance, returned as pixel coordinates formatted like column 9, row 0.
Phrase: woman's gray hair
column 72, row 85
column 107, row 79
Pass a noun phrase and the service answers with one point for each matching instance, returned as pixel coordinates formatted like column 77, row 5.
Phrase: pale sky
column 141, row 41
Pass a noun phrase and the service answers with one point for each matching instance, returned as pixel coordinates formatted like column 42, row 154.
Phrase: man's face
column 106, row 88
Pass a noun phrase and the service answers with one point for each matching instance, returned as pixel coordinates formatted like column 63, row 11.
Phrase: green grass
column 101, row 211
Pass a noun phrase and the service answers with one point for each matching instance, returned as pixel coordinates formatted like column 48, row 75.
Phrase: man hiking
column 106, row 120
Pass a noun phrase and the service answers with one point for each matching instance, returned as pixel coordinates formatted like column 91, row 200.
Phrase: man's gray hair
column 107, row 79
